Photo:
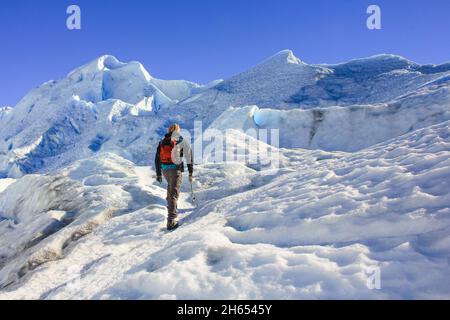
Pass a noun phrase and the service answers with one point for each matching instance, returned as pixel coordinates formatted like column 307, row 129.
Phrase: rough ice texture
column 309, row 230
column 363, row 181
column 118, row 107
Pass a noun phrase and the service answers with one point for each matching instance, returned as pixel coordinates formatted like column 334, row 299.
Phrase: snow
column 359, row 126
column 307, row 231
column 4, row 111
column 59, row 115
column 285, row 82
column 5, row 183
column 118, row 107
column 359, row 180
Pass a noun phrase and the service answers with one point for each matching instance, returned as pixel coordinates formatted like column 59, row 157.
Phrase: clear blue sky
column 202, row 40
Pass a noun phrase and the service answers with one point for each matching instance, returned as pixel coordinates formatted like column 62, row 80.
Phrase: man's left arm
column 158, row 164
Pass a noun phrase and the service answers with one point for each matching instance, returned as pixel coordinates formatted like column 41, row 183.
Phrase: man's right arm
column 187, row 150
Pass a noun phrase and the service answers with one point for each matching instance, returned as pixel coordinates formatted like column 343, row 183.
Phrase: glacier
column 363, row 181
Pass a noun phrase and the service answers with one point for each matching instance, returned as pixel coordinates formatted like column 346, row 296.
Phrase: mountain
column 344, row 107
column 85, row 110
column 358, row 180
column 285, row 82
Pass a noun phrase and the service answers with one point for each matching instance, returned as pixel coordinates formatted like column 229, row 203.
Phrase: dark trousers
column 174, row 178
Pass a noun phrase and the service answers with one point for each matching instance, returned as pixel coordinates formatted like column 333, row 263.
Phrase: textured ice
column 363, row 182
column 310, row 230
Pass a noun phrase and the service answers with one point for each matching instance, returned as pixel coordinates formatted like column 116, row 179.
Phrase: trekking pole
column 192, row 192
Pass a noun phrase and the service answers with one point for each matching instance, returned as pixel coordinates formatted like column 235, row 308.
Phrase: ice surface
column 4, row 183
column 309, row 230
column 363, row 182
column 118, row 107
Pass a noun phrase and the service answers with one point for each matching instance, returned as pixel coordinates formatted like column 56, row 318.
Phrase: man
column 169, row 162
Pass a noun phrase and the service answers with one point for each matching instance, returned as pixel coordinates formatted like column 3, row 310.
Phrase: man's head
column 175, row 128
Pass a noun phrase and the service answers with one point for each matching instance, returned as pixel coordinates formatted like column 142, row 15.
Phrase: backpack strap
column 167, row 141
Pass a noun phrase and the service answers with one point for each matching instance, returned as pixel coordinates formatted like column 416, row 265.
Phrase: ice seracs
column 275, row 84
column 361, row 182
column 346, row 107
column 309, row 230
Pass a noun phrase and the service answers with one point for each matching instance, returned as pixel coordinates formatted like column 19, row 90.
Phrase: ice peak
column 111, row 63
column 284, row 56
column 108, row 62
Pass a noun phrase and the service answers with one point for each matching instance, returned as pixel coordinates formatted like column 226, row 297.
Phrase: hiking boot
column 172, row 225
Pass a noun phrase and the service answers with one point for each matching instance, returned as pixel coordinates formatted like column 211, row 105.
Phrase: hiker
column 169, row 162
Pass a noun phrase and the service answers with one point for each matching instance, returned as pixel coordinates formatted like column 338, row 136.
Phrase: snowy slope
column 118, row 107
column 344, row 128
column 94, row 102
column 4, row 183
column 344, row 107
column 363, row 182
column 307, row 231
column 4, row 111
column 285, row 82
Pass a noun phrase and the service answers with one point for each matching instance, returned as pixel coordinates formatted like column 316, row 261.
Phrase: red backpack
column 167, row 146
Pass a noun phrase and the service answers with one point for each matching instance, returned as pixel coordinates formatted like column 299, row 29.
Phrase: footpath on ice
column 309, row 230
